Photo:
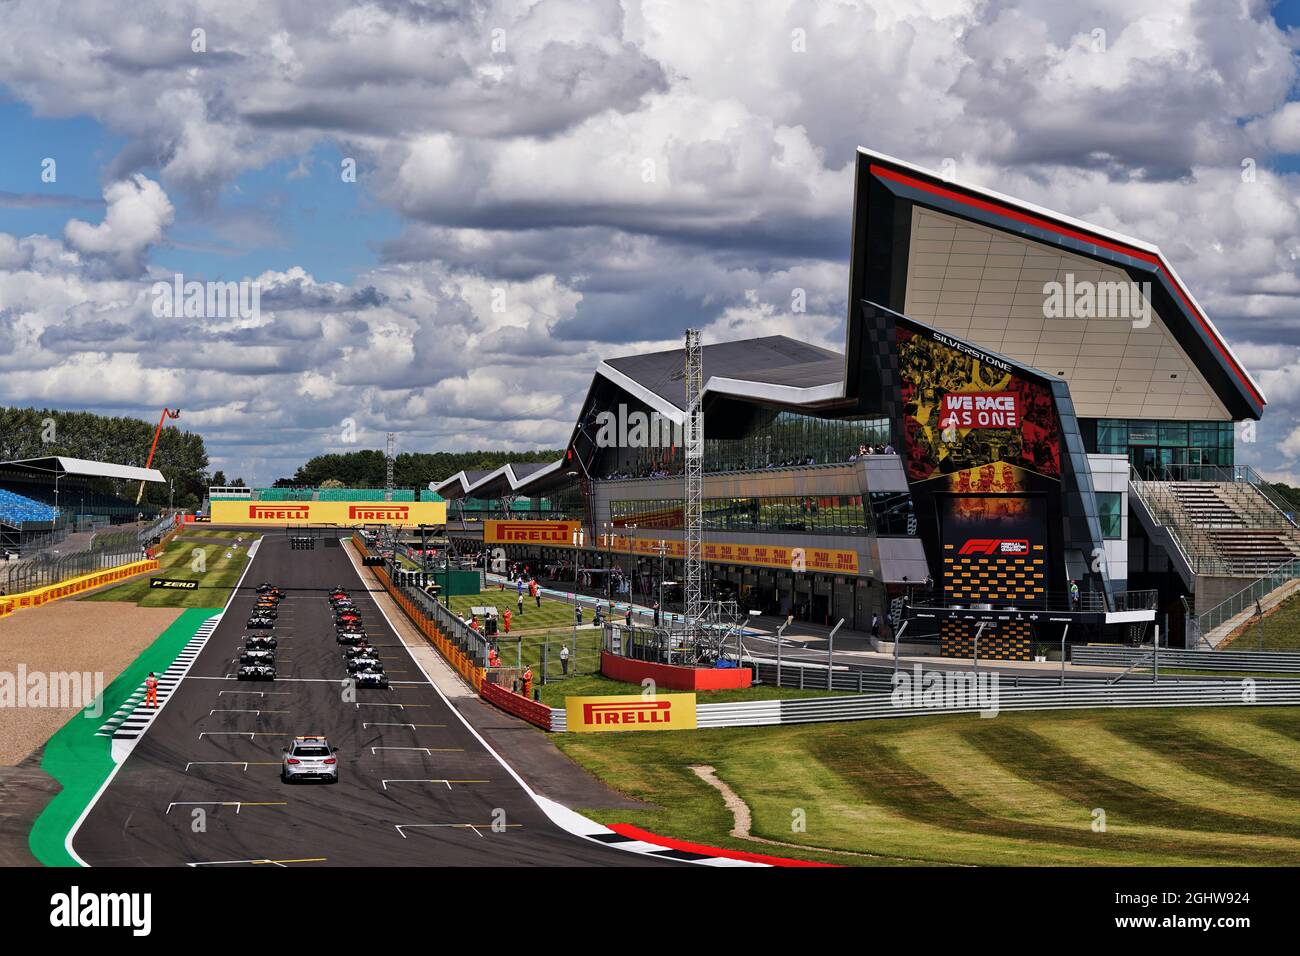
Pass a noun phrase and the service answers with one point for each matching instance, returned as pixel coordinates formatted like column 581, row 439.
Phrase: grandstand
column 43, row 499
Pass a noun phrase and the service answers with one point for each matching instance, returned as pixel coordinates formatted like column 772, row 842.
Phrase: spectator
column 521, row 603
column 656, row 613
column 626, row 620
column 577, row 615
column 564, row 659
column 1074, row 595
column 875, row 625
column 888, row 449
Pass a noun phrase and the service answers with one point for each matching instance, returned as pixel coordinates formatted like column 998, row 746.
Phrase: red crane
column 166, row 414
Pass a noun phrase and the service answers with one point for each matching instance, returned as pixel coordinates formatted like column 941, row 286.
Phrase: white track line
column 72, row 833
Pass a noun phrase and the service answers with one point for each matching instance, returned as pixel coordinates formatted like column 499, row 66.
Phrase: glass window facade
column 792, row 438
column 1155, row 445
column 807, row 514
column 1109, row 513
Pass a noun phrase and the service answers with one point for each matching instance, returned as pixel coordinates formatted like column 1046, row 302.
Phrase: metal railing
column 1265, row 662
column 963, row 696
column 1226, row 610
column 1088, row 601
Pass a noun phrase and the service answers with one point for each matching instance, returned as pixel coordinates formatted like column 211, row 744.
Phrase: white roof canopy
column 58, row 465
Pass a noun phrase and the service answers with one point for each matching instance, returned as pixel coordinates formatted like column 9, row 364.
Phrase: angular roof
column 773, row 368
column 62, row 465
column 510, row 478
column 973, row 261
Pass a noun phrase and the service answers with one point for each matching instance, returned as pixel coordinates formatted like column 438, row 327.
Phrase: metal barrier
column 48, row 569
column 993, row 699
column 1277, row 662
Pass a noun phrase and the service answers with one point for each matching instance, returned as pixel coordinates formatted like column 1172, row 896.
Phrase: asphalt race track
column 203, row 784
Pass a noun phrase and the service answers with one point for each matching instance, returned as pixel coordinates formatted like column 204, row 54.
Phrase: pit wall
column 77, row 585
column 459, row 661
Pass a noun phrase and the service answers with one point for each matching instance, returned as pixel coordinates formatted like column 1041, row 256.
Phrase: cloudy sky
column 539, row 185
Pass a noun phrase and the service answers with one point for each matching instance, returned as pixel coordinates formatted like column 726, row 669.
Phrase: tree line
column 41, row 432
column 366, row 469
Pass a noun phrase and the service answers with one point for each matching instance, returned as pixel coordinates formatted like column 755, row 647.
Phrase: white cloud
column 138, row 212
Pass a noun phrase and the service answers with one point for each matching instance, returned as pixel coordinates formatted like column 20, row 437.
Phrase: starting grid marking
column 419, row 780
column 133, row 718
column 428, row 751
column 231, row 763
column 366, row 725
column 281, row 863
column 476, row 827
column 237, row 804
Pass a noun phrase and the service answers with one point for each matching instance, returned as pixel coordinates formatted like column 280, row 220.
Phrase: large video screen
column 994, row 548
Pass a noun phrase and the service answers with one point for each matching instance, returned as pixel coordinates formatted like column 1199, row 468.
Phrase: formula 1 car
column 360, row 649
column 371, row 678
column 260, row 642
column 347, row 619
column 265, row 611
column 247, row 656
column 350, row 637
column 270, row 589
column 256, row 672
column 365, row 663
column 260, row 622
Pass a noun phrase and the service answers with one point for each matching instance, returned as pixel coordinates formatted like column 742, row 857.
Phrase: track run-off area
column 201, row 786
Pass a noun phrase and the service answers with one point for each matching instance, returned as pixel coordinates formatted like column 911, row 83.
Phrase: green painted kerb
column 81, row 761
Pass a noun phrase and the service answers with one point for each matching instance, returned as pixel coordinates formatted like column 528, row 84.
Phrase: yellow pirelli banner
column 588, row 715
column 347, row 513
column 556, row 534
column 570, row 534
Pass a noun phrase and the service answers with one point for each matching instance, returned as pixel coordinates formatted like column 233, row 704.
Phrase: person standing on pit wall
column 151, row 690
column 564, row 659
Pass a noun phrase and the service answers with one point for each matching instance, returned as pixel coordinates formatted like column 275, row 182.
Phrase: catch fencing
column 49, row 568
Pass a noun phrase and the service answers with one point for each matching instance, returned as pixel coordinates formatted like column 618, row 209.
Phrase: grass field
column 1177, row 787
column 178, row 562
column 552, row 615
column 1279, row 630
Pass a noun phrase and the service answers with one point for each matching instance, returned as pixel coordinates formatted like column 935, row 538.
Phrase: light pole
column 830, row 655
column 779, row 631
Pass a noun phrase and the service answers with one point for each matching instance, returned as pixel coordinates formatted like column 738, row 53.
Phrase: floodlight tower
column 693, row 440
column 388, row 466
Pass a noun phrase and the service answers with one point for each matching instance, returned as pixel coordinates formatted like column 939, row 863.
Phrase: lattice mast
column 693, row 438
column 388, row 466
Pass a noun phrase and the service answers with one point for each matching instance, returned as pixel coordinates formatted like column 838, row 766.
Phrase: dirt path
column 743, row 819
column 71, row 638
